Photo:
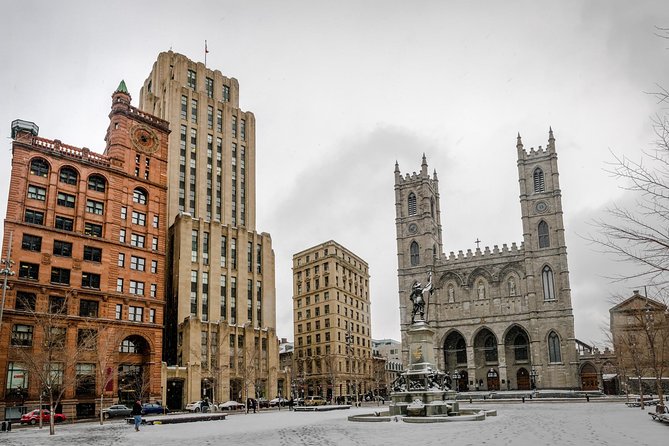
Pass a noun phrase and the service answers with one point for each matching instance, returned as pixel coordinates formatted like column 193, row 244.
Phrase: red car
column 32, row 417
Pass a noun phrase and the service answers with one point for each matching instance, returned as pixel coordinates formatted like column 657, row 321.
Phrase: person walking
column 137, row 413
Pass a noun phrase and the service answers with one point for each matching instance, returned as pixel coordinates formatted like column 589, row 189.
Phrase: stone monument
column 422, row 390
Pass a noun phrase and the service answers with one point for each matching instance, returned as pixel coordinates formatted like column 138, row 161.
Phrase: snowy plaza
column 532, row 423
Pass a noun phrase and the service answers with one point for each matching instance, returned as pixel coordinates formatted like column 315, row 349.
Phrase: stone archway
column 492, row 379
column 455, row 351
column 134, row 377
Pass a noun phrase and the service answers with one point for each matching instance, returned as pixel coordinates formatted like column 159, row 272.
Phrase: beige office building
column 331, row 314
column 220, row 337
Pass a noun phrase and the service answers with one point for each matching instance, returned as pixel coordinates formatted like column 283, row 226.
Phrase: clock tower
column 418, row 221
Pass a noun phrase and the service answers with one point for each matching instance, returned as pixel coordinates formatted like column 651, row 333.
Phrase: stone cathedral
column 502, row 315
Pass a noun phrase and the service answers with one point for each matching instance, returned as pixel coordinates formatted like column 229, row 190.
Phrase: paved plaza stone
column 533, row 424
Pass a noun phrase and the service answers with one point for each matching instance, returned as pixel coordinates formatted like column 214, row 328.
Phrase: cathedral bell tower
column 543, row 228
column 417, row 219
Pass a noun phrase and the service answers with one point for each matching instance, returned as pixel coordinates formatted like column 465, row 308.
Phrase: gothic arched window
column 554, row 348
column 415, row 256
column 539, row 185
column 547, row 282
column 412, row 204
column 520, row 347
column 490, row 348
column 544, row 238
column 432, row 207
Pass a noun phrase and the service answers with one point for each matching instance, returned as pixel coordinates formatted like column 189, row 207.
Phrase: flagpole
column 205, row 53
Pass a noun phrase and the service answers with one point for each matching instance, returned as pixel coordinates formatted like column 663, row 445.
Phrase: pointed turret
column 423, row 169
column 434, row 176
column 398, row 175
column 122, row 88
column 519, row 146
column 551, row 140
column 121, row 98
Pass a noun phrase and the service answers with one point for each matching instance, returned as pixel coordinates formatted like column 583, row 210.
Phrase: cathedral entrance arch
column 485, row 353
column 455, row 351
column 523, row 379
column 589, row 377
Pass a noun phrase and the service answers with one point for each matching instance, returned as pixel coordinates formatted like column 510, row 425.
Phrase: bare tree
column 51, row 361
column 109, row 340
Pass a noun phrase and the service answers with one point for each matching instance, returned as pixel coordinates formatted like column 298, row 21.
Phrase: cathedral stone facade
column 503, row 316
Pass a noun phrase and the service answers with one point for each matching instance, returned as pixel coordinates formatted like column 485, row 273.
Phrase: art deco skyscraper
column 221, row 303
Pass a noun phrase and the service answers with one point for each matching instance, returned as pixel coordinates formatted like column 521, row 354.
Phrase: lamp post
column 456, row 380
column 6, row 271
column 533, row 378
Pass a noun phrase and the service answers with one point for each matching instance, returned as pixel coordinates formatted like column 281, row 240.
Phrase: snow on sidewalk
column 529, row 424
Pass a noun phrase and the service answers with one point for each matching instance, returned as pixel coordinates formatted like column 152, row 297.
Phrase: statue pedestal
column 422, row 390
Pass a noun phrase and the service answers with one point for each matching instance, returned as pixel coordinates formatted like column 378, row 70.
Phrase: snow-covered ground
column 533, row 424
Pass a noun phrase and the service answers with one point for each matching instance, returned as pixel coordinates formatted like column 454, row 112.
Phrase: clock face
column 144, row 139
column 413, row 228
column 541, row 207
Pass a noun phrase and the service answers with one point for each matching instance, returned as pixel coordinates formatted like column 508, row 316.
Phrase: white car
column 201, row 406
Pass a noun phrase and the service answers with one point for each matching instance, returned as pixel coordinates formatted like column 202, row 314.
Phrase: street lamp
column 456, row 380
column 533, row 378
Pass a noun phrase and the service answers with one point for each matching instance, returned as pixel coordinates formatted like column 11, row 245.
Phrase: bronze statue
column 417, row 298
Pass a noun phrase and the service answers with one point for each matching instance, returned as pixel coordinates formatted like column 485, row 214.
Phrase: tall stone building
column 221, row 305
column 84, row 311
column 331, row 317
column 503, row 316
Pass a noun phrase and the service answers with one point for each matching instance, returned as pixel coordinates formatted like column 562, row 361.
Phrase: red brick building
column 88, row 235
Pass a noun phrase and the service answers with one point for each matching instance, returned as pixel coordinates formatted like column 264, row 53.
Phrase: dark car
column 117, row 410
column 32, row 417
column 153, row 408
column 262, row 402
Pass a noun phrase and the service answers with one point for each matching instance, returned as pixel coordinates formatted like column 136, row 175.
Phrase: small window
column 539, row 184
column 135, row 314
column 60, row 276
column 93, row 230
column 95, row 207
column 39, row 167
column 137, row 263
column 64, row 223
column 119, row 285
column 34, row 217
column 136, row 288
column 36, row 193
column 92, row 254
column 25, row 301
column 547, row 282
column 138, row 218
column 544, row 238
column 139, row 196
column 61, row 248
column 31, row 243
column 28, row 271
column 68, row 175
column 88, row 308
column 192, row 79
column 415, row 254
column 97, row 183
column 65, row 200
column 554, row 354
column 137, row 240
column 57, row 305
column 412, row 203
column 90, row 280
column 22, row 335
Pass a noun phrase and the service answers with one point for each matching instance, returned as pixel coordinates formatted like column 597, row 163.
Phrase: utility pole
column 6, row 271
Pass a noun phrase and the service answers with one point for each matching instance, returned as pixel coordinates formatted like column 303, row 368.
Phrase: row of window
column 67, row 175
column 18, row 374
column 61, row 248
column 455, row 348
column 191, row 82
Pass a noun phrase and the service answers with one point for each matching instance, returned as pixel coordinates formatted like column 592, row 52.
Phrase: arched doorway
column 493, row 379
column 460, row 384
column 589, row 377
column 523, row 379
column 134, row 378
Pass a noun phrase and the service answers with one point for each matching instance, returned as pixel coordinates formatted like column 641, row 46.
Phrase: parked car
column 201, row 406
column 33, row 416
column 231, row 405
column 314, row 400
column 262, row 402
column 153, row 408
column 274, row 402
column 117, row 410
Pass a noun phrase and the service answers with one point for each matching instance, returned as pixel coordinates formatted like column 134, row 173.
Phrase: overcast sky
column 343, row 89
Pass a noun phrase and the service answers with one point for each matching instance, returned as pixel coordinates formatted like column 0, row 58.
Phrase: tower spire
column 551, row 139
column 424, row 165
column 519, row 146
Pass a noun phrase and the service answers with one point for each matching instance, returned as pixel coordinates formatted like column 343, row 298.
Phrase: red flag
column 205, row 47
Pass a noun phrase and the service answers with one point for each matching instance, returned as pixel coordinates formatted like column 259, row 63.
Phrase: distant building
column 87, row 235
column 640, row 332
column 390, row 351
column 331, row 309
column 503, row 316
